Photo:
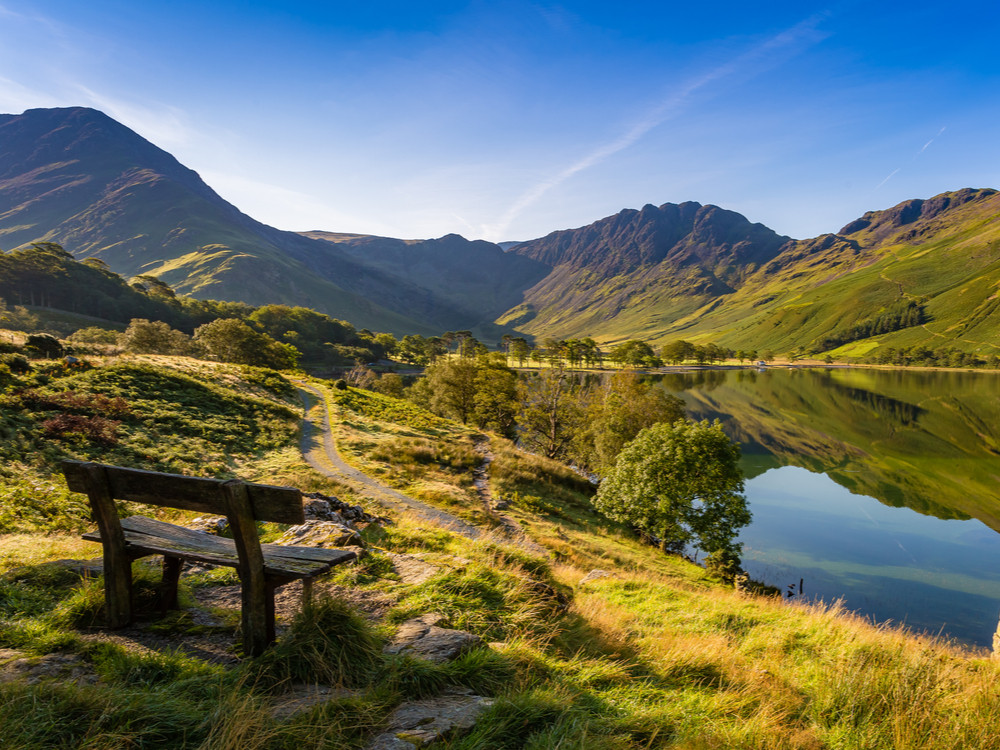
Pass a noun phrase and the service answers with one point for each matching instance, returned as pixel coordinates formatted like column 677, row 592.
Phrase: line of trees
column 555, row 412
column 895, row 318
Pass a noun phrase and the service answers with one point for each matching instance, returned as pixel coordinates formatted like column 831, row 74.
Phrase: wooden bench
column 262, row 568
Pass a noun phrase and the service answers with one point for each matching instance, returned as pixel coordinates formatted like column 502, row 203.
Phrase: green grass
column 655, row 655
column 161, row 414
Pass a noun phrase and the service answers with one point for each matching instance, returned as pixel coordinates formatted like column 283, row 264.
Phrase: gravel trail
column 320, row 452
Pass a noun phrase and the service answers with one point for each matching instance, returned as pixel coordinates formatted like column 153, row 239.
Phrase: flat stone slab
column 411, row 569
column 419, row 723
column 321, row 534
column 422, row 638
column 595, row 574
column 301, row 697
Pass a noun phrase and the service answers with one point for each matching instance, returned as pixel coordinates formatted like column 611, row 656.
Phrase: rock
column 318, row 505
column 595, row 574
column 321, row 534
column 411, row 568
column 502, row 505
column 317, row 509
column 209, row 524
column 15, row 665
column 301, row 697
column 419, row 723
column 422, row 638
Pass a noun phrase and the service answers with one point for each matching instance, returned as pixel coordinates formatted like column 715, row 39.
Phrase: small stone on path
column 422, row 638
column 412, row 569
column 595, row 574
column 419, row 723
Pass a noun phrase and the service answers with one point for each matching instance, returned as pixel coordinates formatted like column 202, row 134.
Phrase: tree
column 495, row 401
column 551, row 412
column 678, row 351
column 519, row 350
column 635, row 353
column 680, row 483
column 452, row 386
column 625, row 406
column 153, row 337
column 389, row 384
column 232, row 340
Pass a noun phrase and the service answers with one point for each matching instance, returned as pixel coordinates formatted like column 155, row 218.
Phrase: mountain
column 634, row 273
column 77, row 177
column 923, row 273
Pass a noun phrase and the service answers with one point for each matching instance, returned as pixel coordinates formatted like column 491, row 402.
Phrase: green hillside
column 929, row 271
column 79, row 178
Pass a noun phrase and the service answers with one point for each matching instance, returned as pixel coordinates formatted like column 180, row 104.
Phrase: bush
column 75, row 426
column 44, row 345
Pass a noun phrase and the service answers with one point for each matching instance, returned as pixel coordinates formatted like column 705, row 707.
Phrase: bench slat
column 150, row 536
column 200, row 494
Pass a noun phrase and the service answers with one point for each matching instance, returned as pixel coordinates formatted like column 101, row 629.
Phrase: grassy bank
column 651, row 654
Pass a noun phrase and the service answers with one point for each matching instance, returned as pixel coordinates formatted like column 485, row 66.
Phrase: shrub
column 17, row 363
column 44, row 345
column 75, row 426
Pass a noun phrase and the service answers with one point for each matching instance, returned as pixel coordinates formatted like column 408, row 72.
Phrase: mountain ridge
column 687, row 270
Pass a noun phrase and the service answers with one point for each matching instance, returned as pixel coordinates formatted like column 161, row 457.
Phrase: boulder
column 321, row 534
column 419, row 723
column 421, row 637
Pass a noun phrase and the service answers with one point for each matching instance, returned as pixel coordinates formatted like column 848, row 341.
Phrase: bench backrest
column 267, row 502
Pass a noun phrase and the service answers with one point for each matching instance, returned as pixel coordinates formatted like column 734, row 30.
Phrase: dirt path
column 481, row 481
column 320, row 452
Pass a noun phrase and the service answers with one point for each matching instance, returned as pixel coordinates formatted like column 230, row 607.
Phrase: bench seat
column 148, row 536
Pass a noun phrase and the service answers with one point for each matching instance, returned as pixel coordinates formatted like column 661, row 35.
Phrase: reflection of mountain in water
column 926, row 441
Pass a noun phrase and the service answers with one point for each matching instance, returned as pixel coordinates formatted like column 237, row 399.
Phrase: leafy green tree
column 519, row 350
column 452, row 387
column 94, row 335
column 44, row 345
column 232, row 340
column 390, row 384
column 680, row 483
column 551, row 412
column 624, row 407
column 496, row 395
column 635, row 353
column 153, row 337
column 677, row 352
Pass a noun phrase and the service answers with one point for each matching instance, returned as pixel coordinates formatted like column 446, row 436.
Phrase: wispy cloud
column 162, row 124
column 16, row 97
column 751, row 63
column 923, row 148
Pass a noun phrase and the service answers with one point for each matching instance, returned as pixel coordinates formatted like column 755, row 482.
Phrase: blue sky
column 507, row 120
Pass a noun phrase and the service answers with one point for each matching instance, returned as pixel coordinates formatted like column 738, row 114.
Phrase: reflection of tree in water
column 705, row 380
column 885, row 406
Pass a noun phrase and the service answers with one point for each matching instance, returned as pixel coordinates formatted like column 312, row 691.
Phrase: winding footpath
column 320, row 452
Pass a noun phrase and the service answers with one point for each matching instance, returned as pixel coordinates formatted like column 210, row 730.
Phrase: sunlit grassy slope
column 654, row 654
column 943, row 254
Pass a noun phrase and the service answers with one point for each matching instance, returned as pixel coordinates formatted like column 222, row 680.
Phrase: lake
column 881, row 488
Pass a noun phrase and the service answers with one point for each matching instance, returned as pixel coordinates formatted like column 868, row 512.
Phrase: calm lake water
column 878, row 488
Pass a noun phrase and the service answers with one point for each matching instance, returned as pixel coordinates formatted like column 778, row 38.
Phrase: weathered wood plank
column 274, row 565
column 200, row 494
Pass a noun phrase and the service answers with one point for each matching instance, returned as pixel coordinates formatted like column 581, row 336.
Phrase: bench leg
column 307, row 592
column 271, row 586
column 171, row 577
column 118, row 588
